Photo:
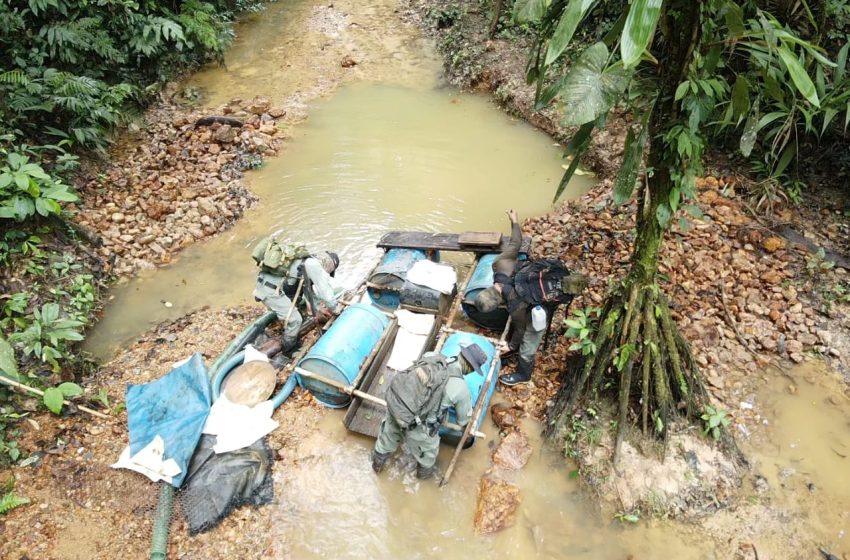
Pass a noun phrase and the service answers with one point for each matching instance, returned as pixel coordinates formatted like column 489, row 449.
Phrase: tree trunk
column 640, row 353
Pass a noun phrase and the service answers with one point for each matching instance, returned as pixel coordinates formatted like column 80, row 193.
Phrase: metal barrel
column 341, row 351
column 474, row 380
column 482, row 278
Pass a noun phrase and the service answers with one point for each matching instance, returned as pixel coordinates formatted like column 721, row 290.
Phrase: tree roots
column 643, row 359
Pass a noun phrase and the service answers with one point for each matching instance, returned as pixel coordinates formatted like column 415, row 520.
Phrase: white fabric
column 416, row 323
column 254, row 355
column 148, row 461
column 440, row 277
column 236, row 426
column 413, row 329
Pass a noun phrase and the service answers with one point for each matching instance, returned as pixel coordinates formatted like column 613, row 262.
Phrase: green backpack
column 415, row 393
column 275, row 257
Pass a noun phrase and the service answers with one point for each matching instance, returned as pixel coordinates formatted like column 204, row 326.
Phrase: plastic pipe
column 165, row 506
column 161, row 522
column 223, row 371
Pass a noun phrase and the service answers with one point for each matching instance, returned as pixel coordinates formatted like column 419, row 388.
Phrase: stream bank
column 83, row 509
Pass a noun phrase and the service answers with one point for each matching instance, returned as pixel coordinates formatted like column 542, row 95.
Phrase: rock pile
column 736, row 290
column 181, row 182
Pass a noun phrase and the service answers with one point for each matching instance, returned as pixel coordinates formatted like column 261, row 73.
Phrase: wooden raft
column 471, row 242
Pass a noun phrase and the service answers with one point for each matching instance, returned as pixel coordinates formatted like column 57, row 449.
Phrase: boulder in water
column 513, row 452
column 498, row 501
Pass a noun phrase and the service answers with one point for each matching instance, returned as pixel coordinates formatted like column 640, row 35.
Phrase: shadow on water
column 370, row 159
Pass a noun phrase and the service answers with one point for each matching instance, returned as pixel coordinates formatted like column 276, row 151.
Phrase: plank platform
column 446, row 242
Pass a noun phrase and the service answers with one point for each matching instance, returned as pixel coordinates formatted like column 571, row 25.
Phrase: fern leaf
column 10, row 501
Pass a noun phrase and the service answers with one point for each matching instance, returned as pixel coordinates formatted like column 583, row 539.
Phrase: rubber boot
column 521, row 375
column 423, row 473
column 379, row 461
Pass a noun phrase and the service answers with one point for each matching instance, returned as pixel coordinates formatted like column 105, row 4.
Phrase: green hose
column 161, row 522
column 162, row 518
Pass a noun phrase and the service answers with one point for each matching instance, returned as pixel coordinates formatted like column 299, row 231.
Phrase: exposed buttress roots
column 642, row 358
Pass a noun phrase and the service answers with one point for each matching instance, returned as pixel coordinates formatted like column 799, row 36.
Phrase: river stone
column 504, row 416
column 225, row 135
column 497, row 505
column 259, row 105
column 513, row 452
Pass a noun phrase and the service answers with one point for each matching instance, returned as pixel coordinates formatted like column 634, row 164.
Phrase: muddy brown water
column 393, row 148
column 331, row 505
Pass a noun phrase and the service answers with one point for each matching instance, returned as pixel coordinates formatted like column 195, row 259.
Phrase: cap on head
column 488, row 300
column 574, row 284
column 474, row 356
column 333, row 259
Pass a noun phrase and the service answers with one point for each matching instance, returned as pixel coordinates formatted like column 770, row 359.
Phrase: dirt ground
column 81, row 508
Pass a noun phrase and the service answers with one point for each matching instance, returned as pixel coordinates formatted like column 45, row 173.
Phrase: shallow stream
column 393, row 148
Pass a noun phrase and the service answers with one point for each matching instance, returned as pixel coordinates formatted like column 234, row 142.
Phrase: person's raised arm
column 511, row 252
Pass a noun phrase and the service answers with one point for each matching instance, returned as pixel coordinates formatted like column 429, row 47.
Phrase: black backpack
column 415, row 393
column 540, row 282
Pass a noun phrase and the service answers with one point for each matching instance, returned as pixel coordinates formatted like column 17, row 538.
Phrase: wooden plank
column 363, row 416
column 482, row 238
column 442, row 242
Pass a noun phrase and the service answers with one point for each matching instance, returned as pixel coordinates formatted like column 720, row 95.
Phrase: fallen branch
column 33, row 390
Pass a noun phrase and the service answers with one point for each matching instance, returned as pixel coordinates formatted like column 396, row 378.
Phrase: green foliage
column 54, row 396
column 747, row 73
column 45, row 334
column 584, row 431
column 715, row 420
column 26, row 189
column 817, row 264
column 10, row 501
column 582, row 326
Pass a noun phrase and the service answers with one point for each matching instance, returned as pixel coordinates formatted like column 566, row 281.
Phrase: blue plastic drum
column 474, row 380
column 341, row 351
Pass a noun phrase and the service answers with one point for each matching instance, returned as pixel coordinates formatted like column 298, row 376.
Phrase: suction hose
column 162, row 518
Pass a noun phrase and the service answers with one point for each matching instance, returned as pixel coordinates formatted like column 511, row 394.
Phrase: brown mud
column 83, row 509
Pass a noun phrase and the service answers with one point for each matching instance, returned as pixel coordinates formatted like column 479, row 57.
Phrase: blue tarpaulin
column 173, row 407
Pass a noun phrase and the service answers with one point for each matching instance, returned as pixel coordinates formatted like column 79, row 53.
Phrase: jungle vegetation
column 70, row 73
column 767, row 79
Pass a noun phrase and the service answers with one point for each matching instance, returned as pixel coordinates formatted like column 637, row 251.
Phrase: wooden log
column 218, row 119
column 350, row 390
column 476, row 413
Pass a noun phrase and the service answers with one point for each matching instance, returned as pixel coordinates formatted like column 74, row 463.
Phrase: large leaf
column 799, row 76
column 8, row 366
column 740, row 96
column 748, row 138
column 573, row 13
column 577, row 146
column 638, row 31
column 53, row 400
column 841, row 62
column 529, row 11
column 734, row 16
column 70, row 389
column 627, row 176
column 590, row 89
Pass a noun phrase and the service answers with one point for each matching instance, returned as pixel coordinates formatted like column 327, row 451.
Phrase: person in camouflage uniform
column 422, row 437
column 276, row 288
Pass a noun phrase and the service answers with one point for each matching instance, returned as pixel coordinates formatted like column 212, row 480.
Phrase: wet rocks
column 177, row 182
column 505, row 416
column 497, row 504
column 513, row 451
